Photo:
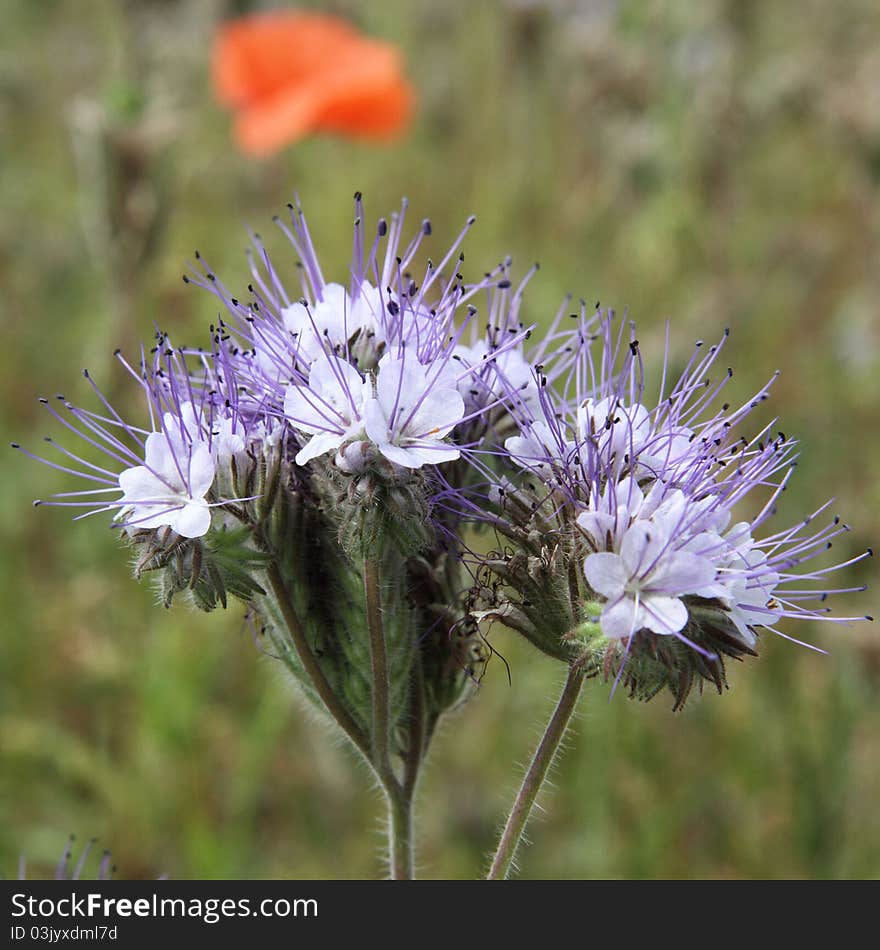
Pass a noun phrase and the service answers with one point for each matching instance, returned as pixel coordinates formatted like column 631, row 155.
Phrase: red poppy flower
column 287, row 75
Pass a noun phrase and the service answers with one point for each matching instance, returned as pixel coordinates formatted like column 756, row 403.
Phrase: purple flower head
column 637, row 498
column 162, row 476
column 372, row 373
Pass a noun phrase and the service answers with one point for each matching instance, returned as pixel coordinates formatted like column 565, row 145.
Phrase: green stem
column 310, row 663
column 379, row 663
column 536, row 774
column 417, row 739
column 400, row 836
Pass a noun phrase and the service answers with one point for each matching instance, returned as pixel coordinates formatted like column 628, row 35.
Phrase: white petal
column 621, row 619
column 606, row 574
column 663, row 615
column 680, row 573
column 437, row 416
column 332, row 401
column 159, row 455
column 746, row 633
column 399, row 384
column 335, row 296
column 597, row 525
column 338, row 382
column 641, row 547
column 192, row 521
column 139, row 483
column 226, row 442
column 627, row 495
column 416, row 456
column 376, row 422
column 297, row 320
column 319, row 445
column 200, row 476
column 366, row 309
column 671, row 514
column 524, row 450
column 308, row 412
column 714, row 591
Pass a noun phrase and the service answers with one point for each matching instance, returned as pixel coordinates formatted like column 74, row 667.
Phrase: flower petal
column 318, row 445
column 642, row 546
column 680, row 573
column 191, row 521
column 621, row 618
column 606, row 574
column 439, row 413
column 200, row 473
column 663, row 615
column 596, row 525
column 416, row 456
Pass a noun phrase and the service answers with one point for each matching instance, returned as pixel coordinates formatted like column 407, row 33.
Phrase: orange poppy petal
column 362, row 94
column 268, row 126
column 380, row 113
column 290, row 74
column 256, row 56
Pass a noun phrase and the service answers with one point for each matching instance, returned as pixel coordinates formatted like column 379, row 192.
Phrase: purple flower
column 643, row 584
column 164, row 476
column 375, row 372
column 329, row 407
column 637, row 498
column 412, row 413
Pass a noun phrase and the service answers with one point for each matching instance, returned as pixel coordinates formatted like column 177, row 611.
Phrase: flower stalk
column 536, row 775
column 379, row 665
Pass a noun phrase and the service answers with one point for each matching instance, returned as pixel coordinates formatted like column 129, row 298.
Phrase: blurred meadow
column 714, row 164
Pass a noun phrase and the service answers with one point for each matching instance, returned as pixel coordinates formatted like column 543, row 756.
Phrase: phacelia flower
column 375, row 373
column 412, row 413
column 170, row 488
column 638, row 501
column 164, row 476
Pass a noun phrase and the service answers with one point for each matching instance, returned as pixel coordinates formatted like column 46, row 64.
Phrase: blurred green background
column 717, row 164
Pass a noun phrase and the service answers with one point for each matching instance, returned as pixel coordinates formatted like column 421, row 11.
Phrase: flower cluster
column 638, row 503
column 334, row 427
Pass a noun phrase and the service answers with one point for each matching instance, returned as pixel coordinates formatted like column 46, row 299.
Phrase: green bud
column 206, row 570
column 653, row 663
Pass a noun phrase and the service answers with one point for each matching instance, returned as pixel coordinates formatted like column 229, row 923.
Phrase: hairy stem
column 400, row 835
column 417, row 732
column 536, row 774
column 379, row 663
